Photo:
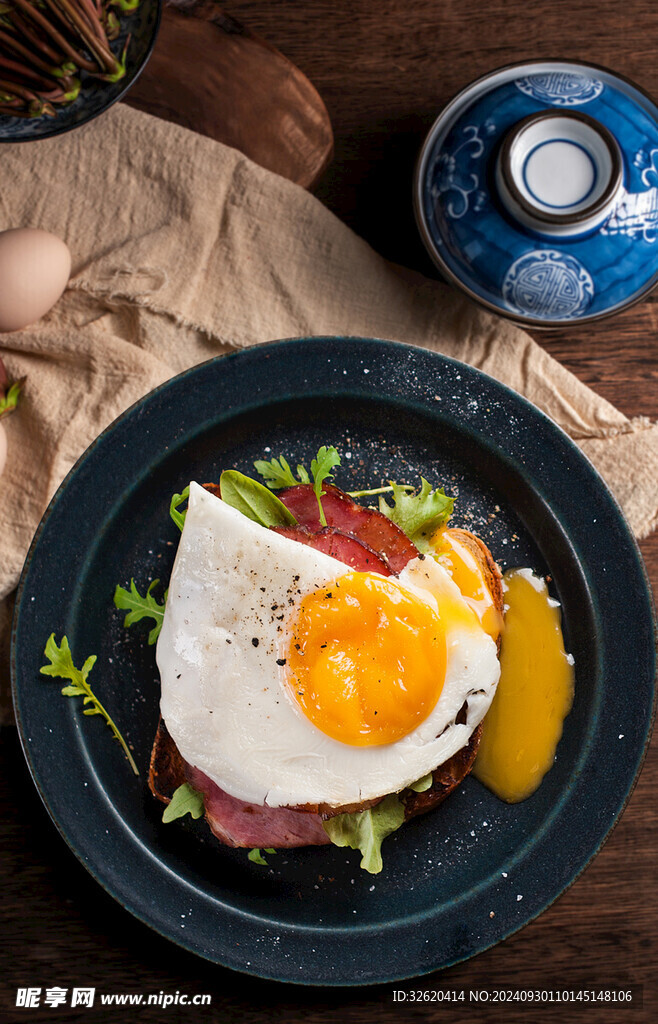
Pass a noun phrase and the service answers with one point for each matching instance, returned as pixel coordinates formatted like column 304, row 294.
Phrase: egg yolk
column 366, row 661
column 524, row 724
column 463, row 566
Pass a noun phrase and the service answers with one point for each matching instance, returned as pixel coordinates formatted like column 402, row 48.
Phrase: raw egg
column 34, row 271
column 523, row 727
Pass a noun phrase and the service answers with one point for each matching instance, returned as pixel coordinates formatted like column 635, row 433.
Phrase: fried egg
column 290, row 679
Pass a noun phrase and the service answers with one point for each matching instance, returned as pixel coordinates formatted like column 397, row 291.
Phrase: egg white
column 234, row 588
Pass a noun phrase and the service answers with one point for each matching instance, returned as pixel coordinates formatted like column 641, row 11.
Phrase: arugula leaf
column 184, row 800
column 254, row 500
column 139, row 607
column 418, row 514
column 176, row 500
column 321, row 468
column 422, row 784
column 61, row 665
column 277, row 473
column 366, row 830
column 256, row 857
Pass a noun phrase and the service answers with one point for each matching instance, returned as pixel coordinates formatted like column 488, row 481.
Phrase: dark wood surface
column 384, row 69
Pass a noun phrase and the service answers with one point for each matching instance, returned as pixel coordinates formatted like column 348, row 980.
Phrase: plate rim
column 140, row 914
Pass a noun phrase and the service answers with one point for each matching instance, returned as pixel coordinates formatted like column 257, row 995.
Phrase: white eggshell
column 3, row 448
column 34, row 271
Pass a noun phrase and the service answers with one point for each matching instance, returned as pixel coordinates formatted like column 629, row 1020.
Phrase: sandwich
column 325, row 666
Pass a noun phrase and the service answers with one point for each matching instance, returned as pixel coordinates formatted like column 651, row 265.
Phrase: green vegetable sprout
column 277, row 473
column 139, row 607
column 61, row 665
column 44, row 48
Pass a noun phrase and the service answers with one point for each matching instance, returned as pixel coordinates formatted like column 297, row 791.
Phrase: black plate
column 454, row 882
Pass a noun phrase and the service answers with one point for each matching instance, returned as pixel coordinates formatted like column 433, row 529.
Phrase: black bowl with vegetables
column 63, row 62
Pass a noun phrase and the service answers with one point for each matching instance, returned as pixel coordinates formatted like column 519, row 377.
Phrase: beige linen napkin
column 183, row 249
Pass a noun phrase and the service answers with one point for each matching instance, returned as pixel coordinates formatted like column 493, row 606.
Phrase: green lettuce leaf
column 256, row 857
column 139, row 607
column 174, row 505
column 366, row 830
column 185, row 800
column 418, row 514
column 422, row 784
column 254, row 500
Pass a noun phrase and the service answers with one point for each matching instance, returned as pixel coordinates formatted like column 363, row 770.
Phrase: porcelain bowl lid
column 536, row 192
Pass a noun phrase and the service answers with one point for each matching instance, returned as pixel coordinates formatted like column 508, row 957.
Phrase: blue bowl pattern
column 476, row 242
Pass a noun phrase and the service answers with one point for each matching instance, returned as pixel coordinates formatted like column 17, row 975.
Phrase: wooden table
column 384, row 70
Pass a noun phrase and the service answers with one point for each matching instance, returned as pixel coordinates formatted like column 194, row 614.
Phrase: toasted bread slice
column 167, row 768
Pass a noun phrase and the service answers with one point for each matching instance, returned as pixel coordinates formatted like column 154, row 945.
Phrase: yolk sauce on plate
column 523, row 726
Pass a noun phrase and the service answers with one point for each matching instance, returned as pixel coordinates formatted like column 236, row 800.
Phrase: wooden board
column 211, row 74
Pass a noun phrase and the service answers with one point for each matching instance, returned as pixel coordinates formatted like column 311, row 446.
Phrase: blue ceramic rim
column 388, row 356
column 128, row 82
column 432, row 250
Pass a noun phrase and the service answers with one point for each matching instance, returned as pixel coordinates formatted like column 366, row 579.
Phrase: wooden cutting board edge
column 305, row 164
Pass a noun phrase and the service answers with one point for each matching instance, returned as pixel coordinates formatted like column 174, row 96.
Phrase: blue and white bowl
column 536, row 192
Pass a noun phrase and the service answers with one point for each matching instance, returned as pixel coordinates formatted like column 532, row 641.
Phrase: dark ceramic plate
column 454, row 882
column 95, row 97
